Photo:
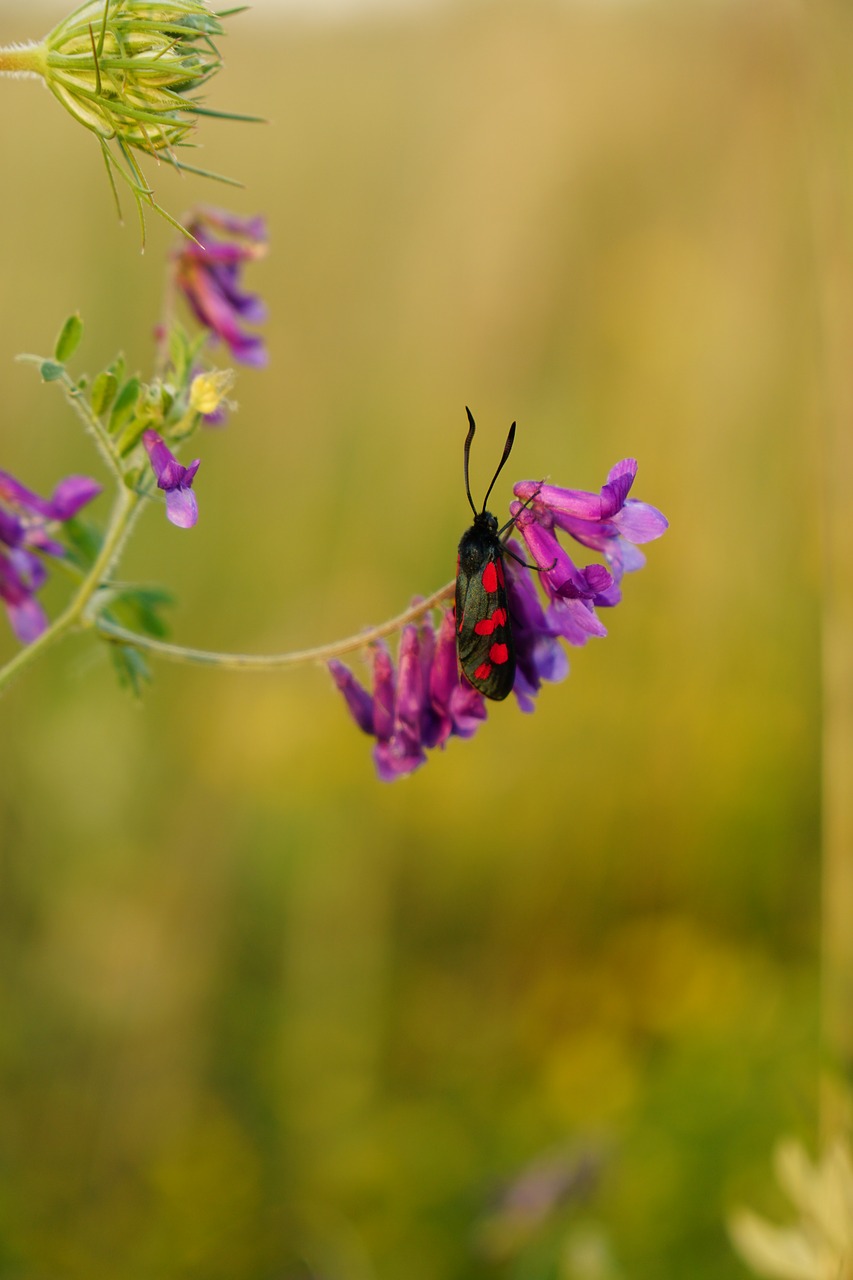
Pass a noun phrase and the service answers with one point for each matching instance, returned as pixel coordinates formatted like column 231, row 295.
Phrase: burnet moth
column 483, row 629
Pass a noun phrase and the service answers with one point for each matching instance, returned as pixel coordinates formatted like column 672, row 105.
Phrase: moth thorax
column 485, row 522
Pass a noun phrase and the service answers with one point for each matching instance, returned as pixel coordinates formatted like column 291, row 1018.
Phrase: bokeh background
column 262, row 1017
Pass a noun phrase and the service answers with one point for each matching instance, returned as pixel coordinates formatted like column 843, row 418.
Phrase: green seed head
column 126, row 69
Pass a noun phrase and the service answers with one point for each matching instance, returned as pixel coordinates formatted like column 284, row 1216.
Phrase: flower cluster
column 207, row 272
column 426, row 701
column 27, row 523
column 418, row 706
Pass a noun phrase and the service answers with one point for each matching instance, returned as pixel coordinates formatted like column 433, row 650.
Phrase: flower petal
column 467, row 709
column 356, row 697
column 182, row 507
column 384, row 692
column 574, row 620
column 28, row 619
column 71, row 494
column 640, row 522
column 26, row 615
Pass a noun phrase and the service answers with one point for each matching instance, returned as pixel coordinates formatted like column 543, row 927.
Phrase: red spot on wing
column 490, row 577
column 486, row 626
column 483, row 671
column 499, row 654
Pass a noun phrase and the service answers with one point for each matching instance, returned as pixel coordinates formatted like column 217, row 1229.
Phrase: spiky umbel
column 130, row 71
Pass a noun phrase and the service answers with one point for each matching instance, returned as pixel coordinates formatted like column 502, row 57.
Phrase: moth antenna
column 468, row 439
column 507, row 451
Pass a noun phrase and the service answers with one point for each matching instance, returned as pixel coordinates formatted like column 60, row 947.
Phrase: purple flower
column 608, row 522
column 419, row 705
column 175, row 480
column 207, row 272
column 26, row 527
column 573, row 591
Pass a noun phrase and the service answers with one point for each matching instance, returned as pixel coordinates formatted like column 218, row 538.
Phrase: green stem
column 125, row 507
column 272, row 661
column 94, row 426
column 28, row 60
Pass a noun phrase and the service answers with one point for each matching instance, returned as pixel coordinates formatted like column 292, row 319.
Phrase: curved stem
column 94, row 426
column 272, row 661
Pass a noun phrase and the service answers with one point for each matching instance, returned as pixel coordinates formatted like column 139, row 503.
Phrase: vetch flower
column 175, row 480
column 609, row 522
column 207, row 272
column 27, row 525
column 820, row 1245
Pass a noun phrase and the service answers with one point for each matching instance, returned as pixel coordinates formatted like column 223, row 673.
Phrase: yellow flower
column 819, row 1246
column 209, row 390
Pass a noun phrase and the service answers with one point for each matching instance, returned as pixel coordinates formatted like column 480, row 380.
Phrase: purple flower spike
column 419, row 705
column 207, row 273
column 394, row 715
column 175, row 480
column 27, row 522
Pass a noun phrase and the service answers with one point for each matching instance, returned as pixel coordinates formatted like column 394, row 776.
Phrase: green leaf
column 130, row 667
column 51, row 371
column 83, row 540
column 138, row 609
column 125, row 405
column 103, row 391
column 69, row 338
column 131, row 435
column 178, row 353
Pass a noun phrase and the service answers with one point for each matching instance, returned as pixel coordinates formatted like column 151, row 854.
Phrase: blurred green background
column 262, row 1017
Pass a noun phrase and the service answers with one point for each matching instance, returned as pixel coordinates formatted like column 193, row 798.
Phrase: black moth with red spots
column 483, row 630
